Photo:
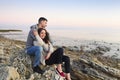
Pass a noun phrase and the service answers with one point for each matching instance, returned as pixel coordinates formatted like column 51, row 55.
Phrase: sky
column 66, row 13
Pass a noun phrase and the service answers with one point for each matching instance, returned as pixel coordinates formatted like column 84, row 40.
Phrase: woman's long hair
column 46, row 39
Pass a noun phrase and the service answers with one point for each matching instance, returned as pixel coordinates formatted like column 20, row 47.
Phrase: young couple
column 39, row 45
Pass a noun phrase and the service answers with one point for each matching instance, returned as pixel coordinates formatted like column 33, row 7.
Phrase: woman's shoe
column 60, row 73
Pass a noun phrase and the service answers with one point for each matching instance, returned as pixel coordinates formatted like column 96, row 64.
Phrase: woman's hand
column 48, row 56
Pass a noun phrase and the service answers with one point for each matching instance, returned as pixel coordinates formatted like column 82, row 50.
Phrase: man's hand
column 48, row 56
column 35, row 32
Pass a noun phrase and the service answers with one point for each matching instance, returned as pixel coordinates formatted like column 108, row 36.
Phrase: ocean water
column 82, row 33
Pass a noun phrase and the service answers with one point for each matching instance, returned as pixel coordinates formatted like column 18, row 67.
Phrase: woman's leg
column 68, row 77
column 66, row 59
column 56, row 58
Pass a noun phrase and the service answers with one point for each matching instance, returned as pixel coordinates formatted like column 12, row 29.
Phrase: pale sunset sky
column 66, row 13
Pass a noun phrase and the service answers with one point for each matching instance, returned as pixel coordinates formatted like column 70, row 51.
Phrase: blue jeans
column 36, row 52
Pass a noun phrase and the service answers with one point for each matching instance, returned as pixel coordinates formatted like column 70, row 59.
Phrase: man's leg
column 36, row 51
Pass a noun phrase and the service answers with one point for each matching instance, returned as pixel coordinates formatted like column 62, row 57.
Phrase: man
column 32, row 50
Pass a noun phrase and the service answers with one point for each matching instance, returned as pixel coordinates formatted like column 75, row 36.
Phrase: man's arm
column 39, row 40
column 33, row 28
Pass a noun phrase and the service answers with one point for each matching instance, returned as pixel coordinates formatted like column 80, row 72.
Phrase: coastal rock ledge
column 15, row 64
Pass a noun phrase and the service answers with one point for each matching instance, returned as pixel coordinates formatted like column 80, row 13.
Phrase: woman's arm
column 50, row 51
column 47, row 56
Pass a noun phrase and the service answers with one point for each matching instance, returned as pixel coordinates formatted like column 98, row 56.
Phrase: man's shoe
column 38, row 70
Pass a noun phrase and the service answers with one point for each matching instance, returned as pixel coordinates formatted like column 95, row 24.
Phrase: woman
column 52, row 57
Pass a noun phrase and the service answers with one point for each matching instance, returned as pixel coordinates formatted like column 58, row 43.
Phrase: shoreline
column 113, row 49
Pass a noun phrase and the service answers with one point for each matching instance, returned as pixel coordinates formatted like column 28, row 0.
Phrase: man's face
column 43, row 24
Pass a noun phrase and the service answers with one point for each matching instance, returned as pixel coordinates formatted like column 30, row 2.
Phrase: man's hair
column 42, row 19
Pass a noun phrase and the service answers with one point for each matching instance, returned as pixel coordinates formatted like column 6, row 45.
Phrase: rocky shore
column 85, row 64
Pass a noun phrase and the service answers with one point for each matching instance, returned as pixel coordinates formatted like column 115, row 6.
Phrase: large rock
column 96, row 70
column 9, row 73
column 21, row 64
column 3, row 58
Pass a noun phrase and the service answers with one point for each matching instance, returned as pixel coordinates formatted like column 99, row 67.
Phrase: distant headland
column 10, row 30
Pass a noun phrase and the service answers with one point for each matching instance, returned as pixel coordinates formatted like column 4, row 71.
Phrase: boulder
column 9, row 73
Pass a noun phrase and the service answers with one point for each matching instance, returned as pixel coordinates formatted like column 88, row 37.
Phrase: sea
column 106, row 34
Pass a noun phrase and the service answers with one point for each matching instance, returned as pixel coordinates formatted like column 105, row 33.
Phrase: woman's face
column 42, row 34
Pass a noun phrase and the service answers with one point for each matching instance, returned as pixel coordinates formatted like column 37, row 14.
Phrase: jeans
column 35, row 51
